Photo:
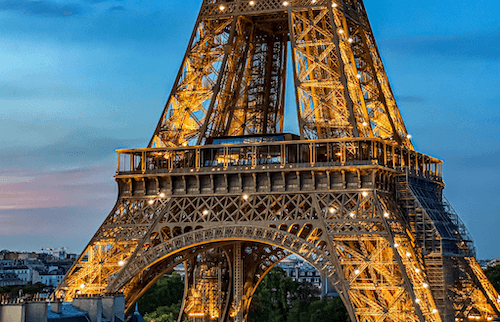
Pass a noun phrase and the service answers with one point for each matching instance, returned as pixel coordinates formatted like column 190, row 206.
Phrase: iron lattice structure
column 222, row 190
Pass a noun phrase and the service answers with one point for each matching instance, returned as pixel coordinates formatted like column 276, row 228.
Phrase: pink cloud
column 27, row 188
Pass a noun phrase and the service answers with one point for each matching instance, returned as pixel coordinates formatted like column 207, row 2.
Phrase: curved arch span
column 151, row 263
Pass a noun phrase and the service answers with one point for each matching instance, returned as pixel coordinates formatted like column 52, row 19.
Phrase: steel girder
column 389, row 243
column 355, row 239
column 232, row 78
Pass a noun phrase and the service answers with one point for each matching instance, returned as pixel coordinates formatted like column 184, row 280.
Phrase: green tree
column 493, row 274
column 280, row 299
column 165, row 314
column 271, row 300
column 27, row 289
column 325, row 310
column 166, row 292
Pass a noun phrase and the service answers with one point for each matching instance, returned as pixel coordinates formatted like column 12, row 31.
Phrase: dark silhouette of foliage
column 277, row 299
column 493, row 274
column 166, row 292
column 165, row 314
column 280, row 299
column 26, row 289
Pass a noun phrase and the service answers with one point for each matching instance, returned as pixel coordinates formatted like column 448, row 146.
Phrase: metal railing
column 306, row 153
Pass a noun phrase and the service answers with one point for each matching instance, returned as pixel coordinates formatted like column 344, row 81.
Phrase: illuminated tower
column 223, row 190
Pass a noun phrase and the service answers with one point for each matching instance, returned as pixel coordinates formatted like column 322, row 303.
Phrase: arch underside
column 357, row 240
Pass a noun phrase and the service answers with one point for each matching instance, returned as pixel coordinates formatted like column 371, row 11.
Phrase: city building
column 301, row 271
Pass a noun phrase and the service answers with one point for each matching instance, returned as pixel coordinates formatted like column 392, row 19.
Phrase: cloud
column 39, row 8
column 34, row 188
column 60, row 221
column 487, row 160
column 117, row 8
column 483, row 45
column 80, row 146
column 9, row 90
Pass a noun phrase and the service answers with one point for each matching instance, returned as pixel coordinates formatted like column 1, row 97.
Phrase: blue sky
column 79, row 79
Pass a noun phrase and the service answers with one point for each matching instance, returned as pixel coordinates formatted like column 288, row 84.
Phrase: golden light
column 334, row 5
column 151, row 201
column 417, row 270
column 341, row 31
column 417, row 300
column 365, row 124
column 121, row 263
column 185, row 143
column 352, row 214
column 356, row 271
column 386, row 215
column 434, row 310
column 408, row 254
column 252, row 3
column 286, row 3
column 82, row 285
column 221, row 8
column 332, row 210
column 205, row 212
column 350, row 40
column 245, row 197
column 408, row 136
column 364, row 193
column 425, row 285
column 162, row 195
column 396, row 245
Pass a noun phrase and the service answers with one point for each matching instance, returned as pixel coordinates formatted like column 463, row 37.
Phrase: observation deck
column 248, row 167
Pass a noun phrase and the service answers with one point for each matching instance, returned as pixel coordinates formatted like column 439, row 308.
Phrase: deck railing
column 307, row 153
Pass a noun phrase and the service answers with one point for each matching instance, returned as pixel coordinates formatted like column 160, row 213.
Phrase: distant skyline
column 81, row 78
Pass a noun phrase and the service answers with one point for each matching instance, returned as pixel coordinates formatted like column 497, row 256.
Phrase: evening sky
column 79, row 79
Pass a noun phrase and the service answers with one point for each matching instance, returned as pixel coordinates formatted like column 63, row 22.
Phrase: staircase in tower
column 223, row 190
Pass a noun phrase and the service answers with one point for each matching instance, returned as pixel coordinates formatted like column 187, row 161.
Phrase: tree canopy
column 281, row 299
column 493, row 274
column 166, row 292
column 278, row 299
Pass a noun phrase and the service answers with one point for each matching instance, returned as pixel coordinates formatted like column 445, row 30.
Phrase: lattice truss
column 358, row 241
column 448, row 251
column 390, row 260
column 232, row 79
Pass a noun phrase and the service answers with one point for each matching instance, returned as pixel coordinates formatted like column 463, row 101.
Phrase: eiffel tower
column 223, row 190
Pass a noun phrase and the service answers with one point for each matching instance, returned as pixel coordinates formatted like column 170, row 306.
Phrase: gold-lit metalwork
column 223, row 191
column 232, row 78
